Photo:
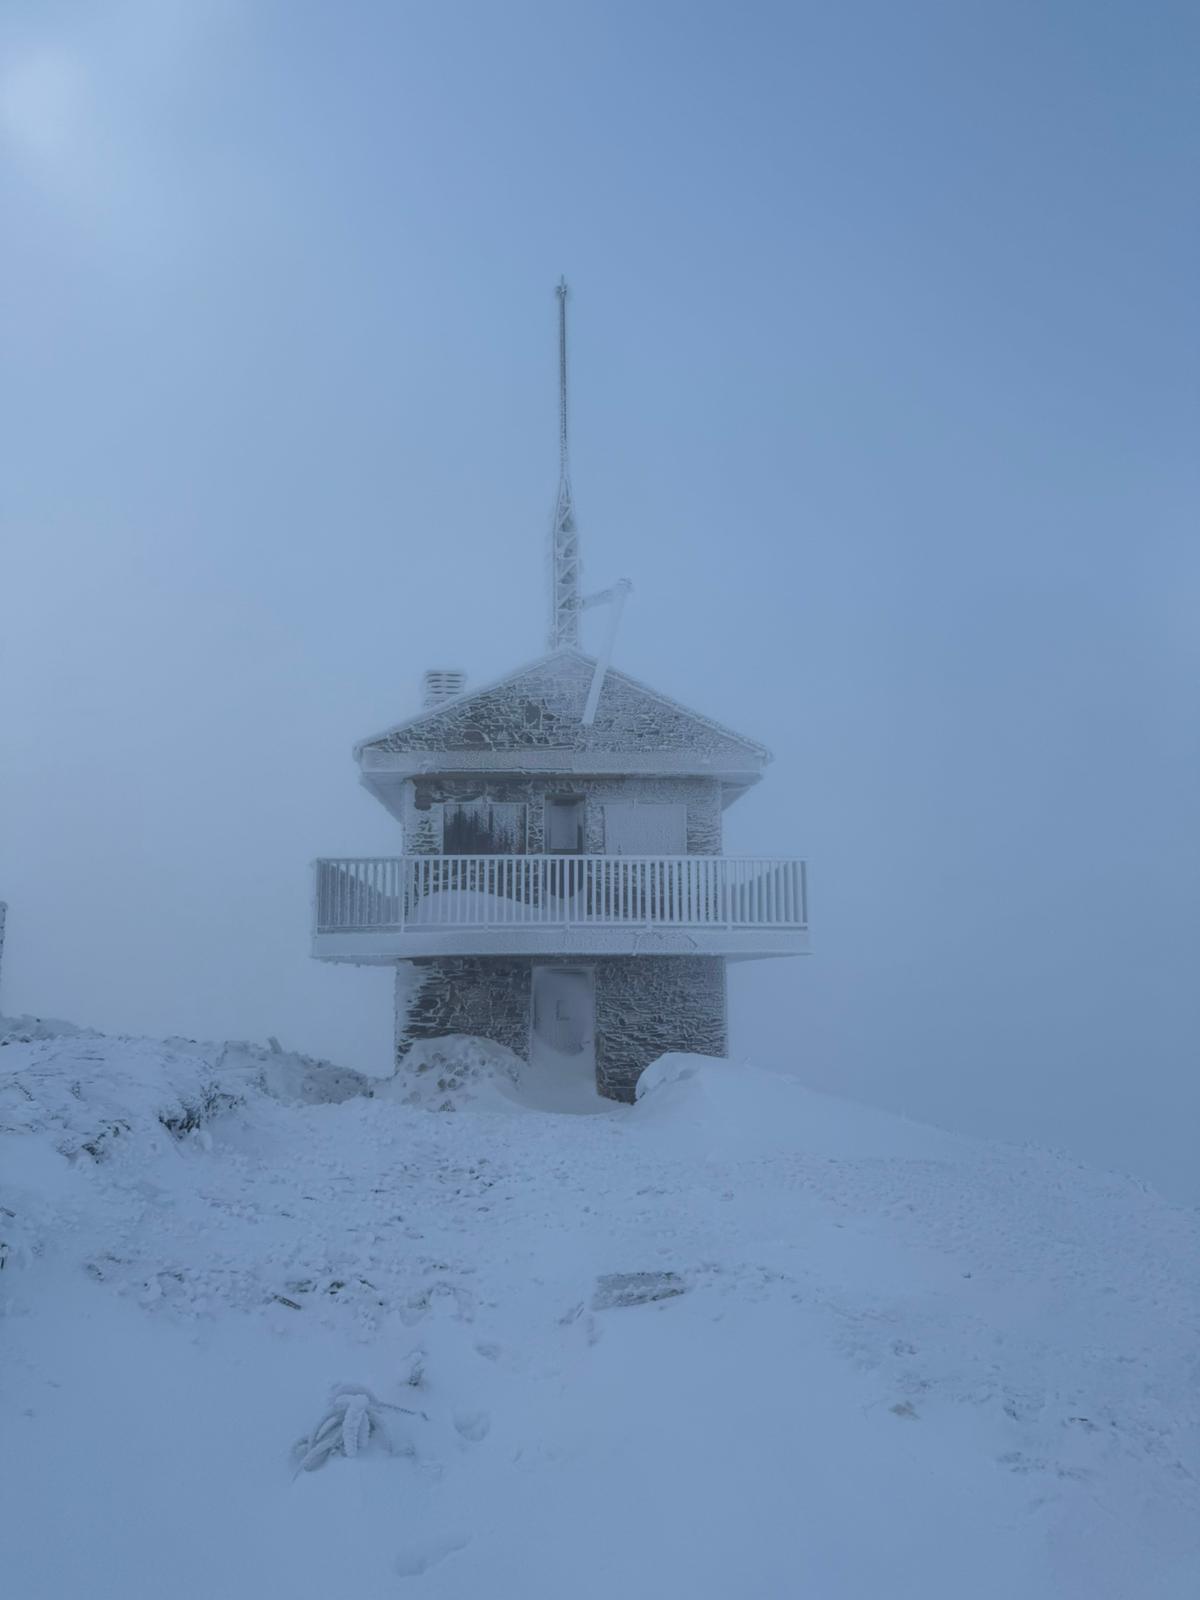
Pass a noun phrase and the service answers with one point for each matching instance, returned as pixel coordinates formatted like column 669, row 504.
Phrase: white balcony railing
column 424, row 893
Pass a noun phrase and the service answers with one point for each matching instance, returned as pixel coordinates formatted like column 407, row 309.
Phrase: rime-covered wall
column 701, row 796
column 645, row 1006
column 487, row 996
column 542, row 710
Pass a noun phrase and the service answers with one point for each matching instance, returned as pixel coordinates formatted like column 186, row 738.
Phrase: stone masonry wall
column 701, row 796
column 487, row 996
column 645, row 1006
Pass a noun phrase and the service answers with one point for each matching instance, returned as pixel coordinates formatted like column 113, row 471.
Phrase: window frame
column 579, row 802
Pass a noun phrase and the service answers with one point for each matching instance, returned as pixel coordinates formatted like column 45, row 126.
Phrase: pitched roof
column 551, row 715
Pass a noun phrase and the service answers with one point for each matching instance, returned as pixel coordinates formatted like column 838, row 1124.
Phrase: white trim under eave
column 580, row 763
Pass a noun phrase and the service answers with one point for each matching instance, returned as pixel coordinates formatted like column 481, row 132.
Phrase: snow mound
column 710, row 1100
column 288, row 1076
column 83, row 1096
column 459, row 1072
column 72, row 1085
column 24, row 1030
column 454, row 1072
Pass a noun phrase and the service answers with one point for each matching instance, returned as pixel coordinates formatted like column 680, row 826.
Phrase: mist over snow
column 882, row 375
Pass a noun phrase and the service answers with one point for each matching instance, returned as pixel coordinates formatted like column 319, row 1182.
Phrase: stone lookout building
column 559, row 884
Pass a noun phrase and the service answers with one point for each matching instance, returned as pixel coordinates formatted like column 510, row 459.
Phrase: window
column 483, row 828
column 645, row 830
column 564, row 824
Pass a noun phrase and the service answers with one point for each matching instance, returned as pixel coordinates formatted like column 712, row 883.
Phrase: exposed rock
column 635, row 1289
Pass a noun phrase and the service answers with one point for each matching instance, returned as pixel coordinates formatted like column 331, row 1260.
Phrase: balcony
column 391, row 908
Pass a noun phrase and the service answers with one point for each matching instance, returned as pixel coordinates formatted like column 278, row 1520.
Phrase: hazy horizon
column 884, row 340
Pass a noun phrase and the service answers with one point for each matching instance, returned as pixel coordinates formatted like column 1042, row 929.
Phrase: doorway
column 563, row 1031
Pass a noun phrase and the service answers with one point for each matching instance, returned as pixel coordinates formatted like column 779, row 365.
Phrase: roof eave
column 391, row 765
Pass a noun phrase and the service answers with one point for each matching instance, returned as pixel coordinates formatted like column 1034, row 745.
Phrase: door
column 564, row 1018
column 645, row 830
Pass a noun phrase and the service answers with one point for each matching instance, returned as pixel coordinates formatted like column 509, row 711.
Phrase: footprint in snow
column 426, row 1553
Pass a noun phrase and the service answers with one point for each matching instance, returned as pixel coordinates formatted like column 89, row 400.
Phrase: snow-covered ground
column 739, row 1340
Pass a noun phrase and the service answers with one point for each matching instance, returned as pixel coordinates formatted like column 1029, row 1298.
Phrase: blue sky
column 884, row 395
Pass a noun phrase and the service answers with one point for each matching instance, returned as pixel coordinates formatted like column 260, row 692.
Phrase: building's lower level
column 622, row 1011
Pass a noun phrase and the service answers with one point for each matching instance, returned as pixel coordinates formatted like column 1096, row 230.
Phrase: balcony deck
column 374, row 910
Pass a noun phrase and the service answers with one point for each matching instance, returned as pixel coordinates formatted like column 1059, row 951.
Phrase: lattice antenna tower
column 566, row 568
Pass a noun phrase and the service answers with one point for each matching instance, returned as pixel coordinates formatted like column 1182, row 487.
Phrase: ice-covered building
column 561, row 886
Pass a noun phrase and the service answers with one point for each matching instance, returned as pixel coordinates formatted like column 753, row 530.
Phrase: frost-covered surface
column 84, row 1097
column 736, row 1340
column 425, row 797
column 459, row 1072
column 453, row 1073
column 540, row 707
column 23, row 1030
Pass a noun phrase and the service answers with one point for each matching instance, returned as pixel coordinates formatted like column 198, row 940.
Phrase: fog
column 884, row 341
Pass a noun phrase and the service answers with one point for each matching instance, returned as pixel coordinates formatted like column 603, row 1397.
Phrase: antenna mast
column 565, row 565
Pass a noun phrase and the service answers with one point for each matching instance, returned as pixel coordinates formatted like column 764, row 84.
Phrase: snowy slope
column 737, row 1340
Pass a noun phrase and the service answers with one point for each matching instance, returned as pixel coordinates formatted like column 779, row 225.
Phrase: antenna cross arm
column 621, row 588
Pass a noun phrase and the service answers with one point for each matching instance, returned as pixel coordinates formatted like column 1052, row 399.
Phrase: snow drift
column 82, row 1094
column 459, row 1071
column 738, row 1339
column 684, row 1098
column 452, row 1073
